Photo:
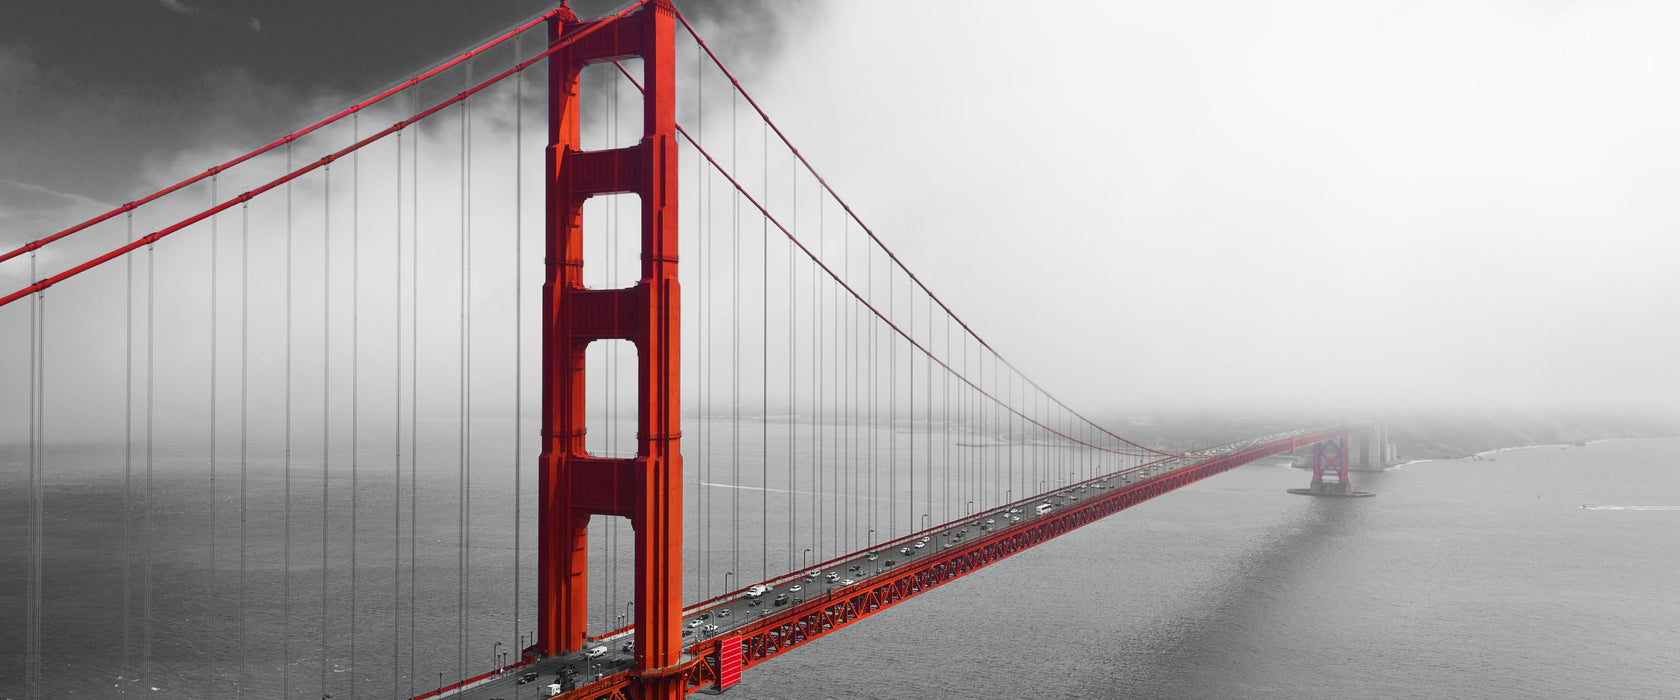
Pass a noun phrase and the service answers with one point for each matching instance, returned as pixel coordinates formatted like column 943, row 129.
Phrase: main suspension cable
column 824, row 183
column 289, row 138
column 770, row 219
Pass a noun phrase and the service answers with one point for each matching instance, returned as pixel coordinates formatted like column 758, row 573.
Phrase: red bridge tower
column 572, row 485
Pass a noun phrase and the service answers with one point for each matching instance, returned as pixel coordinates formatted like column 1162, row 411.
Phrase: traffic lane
column 506, row 686
column 741, row 610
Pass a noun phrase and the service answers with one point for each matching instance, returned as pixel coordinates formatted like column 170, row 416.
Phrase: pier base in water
column 1322, row 488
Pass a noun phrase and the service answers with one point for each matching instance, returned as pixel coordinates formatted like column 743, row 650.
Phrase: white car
column 847, row 582
column 594, row 652
column 795, row 588
column 757, row 590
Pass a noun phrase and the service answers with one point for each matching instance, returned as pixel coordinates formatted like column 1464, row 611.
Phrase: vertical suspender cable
column 146, row 523
column 244, row 418
column 396, row 439
column 702, row 568
column 465, row 430
column 701, row 574
column 793, row 390
column 874, row 412
column 817, row 385
column 855, row 516
column 764, row 379
column 286, row 550
column 842, row 414
column 39, row 545
column 326, row 395
column 128, row 449
column 735, row 347
column 892, row 418
column 209, row 613
column 39, row 479
column 355, row 376
column 414, row 399
column 518, row 313
column 32, row 597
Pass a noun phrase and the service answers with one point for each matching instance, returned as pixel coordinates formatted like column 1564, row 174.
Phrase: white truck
column 757, row 591
column 555, row 689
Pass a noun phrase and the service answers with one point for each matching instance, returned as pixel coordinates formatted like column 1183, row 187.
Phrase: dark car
column 527, row 678
column 782, row 599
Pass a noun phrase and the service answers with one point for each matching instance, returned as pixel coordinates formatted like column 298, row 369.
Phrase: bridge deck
column 834, row 594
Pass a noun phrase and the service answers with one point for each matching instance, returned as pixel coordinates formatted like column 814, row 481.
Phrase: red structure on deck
column 572, row 485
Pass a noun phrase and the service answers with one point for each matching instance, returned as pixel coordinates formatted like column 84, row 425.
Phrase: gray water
column 1460, row 579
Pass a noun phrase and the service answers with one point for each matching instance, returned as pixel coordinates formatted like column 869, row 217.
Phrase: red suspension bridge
column 284, row 401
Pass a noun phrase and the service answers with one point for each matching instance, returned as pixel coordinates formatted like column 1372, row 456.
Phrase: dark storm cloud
column 94, row 93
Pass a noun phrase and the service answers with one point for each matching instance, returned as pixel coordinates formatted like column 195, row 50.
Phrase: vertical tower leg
column 659, row 513
column 1342, row 461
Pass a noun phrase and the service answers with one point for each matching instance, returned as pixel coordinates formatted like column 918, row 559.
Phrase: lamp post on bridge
column 496, row 656
column 726, row 576
column 805, row 559
column 925, row 518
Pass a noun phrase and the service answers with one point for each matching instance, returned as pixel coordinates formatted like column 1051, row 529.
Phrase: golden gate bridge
column 309, row 371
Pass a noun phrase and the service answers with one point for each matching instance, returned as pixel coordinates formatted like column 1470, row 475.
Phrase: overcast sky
column 1311, row 203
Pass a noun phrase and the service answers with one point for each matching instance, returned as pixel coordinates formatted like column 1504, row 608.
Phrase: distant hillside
column 1452, row 437
column 1414, row 436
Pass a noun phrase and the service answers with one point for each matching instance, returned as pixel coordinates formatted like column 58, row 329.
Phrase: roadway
column 723, row 615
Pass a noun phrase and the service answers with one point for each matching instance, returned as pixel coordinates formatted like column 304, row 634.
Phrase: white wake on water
column 1631, row 507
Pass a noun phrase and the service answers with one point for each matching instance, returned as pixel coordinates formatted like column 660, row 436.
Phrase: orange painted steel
column 572, row 485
